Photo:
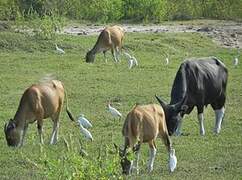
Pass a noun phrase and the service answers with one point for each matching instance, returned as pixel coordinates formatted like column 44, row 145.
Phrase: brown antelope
column 38, row 102
column 143, row 124
column 110, row 38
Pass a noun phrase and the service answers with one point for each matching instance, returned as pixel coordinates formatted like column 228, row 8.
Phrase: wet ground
column 226, row 33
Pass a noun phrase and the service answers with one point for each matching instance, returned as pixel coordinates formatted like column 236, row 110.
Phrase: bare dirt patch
column 228, row 34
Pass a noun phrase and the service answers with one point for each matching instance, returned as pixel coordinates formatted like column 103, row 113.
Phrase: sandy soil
column 226, row 33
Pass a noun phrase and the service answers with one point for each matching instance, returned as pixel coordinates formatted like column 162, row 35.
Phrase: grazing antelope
column 38, row 102
column 110, row 38
column 143, row 124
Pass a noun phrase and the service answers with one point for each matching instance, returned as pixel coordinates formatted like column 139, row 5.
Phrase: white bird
column 127, row 55
column 86, row 133
column 132, row 61
column 172, row 160
column 114, row 111
column 236, row 61
column 59, row 50
column 167, row 60
column 135, row 61
column 84, row 122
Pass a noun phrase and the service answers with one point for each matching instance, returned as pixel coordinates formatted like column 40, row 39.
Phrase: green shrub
column 115, row 10
column 46, row 27
column 143, row 10
column 102, row 10
column 71, row 165
column 8, row 10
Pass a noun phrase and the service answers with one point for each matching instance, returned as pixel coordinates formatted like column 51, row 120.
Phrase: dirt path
column 226, row 33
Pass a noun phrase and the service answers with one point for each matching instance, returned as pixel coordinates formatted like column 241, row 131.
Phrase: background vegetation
column 24, row 59
column 26, row 56
column 116, row 10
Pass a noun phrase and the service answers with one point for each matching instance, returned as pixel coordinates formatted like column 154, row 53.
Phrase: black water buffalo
column 198, row 82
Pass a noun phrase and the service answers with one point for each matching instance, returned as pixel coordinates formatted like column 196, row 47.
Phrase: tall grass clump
column 72, row 164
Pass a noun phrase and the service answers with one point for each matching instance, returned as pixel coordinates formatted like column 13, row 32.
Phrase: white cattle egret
column 127, row 55
column 236, row 61
column 86, row 133
column 84, row 122
column 59, row 50
column 132, row 61
column 167, row 60
column 172, row 160
column 135, row 61
column 114, row 112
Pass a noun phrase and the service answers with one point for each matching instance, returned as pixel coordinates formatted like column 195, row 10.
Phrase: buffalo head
column 173, row 113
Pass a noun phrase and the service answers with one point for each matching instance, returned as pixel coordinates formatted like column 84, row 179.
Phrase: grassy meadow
column 24, row 60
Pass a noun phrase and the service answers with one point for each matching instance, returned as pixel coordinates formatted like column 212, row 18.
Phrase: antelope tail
column 67, row 108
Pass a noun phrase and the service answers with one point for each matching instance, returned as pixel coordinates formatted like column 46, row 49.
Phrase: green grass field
column 24, row 60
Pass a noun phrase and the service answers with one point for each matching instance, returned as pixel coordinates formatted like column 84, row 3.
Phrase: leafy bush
column 71, row 165
column 46, row 27
column 102, row 10
column 143, row 10
column 115, row 10
column 8, row 10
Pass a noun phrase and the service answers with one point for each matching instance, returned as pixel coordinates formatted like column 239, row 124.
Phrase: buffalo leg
column 201, row 119
column 201, row 124
column 219, row 114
